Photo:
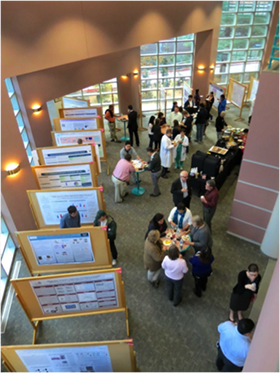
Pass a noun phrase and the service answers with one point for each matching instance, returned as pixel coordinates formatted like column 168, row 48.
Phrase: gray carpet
column 165, row 338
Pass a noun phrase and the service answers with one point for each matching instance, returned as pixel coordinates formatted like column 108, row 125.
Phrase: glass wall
column 166, row 64
column 242, row 38
column 18, row 115
column 101, row 94
column 7, row 255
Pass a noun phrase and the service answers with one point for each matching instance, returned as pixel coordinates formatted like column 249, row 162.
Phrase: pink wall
column 258, row 183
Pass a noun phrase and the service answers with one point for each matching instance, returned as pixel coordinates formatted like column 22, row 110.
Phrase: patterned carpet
column 165, row 338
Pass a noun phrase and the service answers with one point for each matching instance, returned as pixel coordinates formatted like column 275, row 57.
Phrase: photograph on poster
column 79, row 293
column 53, row 205
column 64, row 177
column 67, row 359
column 67, row 154
column 62, row 249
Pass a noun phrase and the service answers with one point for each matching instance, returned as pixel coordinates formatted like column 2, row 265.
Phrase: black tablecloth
column 233, row 158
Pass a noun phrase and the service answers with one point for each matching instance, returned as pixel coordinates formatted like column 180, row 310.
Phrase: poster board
column 61, row 138
column 48, row 206
column 78, row 175
column 236, row 93
column 121, row 355
column 56, row 155
column 218, row 91
column 253, row 89
column 83, row 113
column 71, row 294
column 71, row 102
column 61, row 250
column 77, row 124
column 187, row 90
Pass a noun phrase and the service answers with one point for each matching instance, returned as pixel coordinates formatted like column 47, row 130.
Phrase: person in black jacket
column 187, row 124
column 209, row 103
column 154, row 165
column 102, row 219
column 220, row 124
column 181, row 190
column 201, row 119
column 157, row 133
column 157, row 223
column 132, row 125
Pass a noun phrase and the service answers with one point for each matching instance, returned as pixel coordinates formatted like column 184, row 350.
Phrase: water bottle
column 181, row 244
column 178, row 232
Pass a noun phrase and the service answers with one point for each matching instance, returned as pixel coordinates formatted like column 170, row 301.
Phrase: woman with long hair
column 201, row 269
column 150, row 130
column 154, row 252
column 157, row 223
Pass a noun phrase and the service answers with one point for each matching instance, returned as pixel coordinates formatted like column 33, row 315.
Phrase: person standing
column 175, row 103
column 201, row 269
column 154, row 252
column 189, row 105
column 220, row 124
column 154, row 165
column 162, row 119
column 180, row 217
column 200, row 234
column 222, row 104
column 175, row 115
column 234, row 344
column 176, row 129
column 71, row 219
column 197, row 97
column 150, row 130
column 157, row 133
column 128, row 149
column 158, row 223
column 209, row 103
column 166, row 152
column 132, row 125
column 111, row 118
column 181, row 150
column 104, row 220
column 121, row 176
column 209, row 202
column 201, row 119
column 175, row 267
column 244, row 291
column 187, row 124
column 181, row 190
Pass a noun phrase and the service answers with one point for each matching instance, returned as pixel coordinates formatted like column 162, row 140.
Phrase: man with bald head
column 181, row 190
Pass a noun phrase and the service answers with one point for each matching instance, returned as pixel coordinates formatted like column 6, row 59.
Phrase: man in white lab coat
column 166, row 153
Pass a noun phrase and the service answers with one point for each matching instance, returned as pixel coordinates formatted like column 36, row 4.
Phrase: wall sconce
column 212, row 67
column 124, row 76
column 135, row 72
column 12, row 169
column 201, row 68
column 36, row 108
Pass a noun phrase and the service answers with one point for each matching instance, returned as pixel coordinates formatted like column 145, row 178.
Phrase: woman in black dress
column 244, row 291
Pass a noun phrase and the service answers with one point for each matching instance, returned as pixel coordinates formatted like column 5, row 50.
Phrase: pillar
column 270, row 243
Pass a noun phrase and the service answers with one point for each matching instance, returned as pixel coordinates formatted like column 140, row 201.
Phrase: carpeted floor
column 165, row 338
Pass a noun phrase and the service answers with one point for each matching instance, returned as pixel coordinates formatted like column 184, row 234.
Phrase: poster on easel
column 49, row 206
column 102, row 356
column 85, row 112
column 217, row 91
column 77, row 124
column 95, row 137
column 63, row 250
column 236, row 95
column 71, row 102
column 187, row 90
column 253, row 89
column 79, row 175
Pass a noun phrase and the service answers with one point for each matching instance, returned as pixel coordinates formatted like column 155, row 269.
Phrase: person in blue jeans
column 222, row 104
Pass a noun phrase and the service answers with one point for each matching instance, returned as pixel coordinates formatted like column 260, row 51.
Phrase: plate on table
column 186, row 237
column 169, row 235
column 167, row 242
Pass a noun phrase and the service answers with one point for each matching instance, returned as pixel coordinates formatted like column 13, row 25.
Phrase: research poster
column 186, row 92
column 62, row 249
column 237, row 94
column 65, row 155
column 53, row 205
column 64, row 177
column 69, row 103
column 67, row 359
column 81, row 113
column 78, row 124
column 254, row 89
column 218, row 91
column 74, row 294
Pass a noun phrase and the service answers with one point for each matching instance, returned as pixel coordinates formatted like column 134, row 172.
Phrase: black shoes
column 153, row 195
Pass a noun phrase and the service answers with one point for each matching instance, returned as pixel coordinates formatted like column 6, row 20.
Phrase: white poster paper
column 254, row 89
column 88, row 137
column 54, row 205
column 218, row 91
column 78, row 124
column 67, row 359
column 64, row 177
column 62, row 249
column 187, row 90
column 71, row 294
column 86, row 112
column 69, row 102
column 237, row 94
column 67, row 154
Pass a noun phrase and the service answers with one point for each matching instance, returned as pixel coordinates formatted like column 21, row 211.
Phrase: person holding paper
column 111, row 118
column 121, row 176
column 104, row 220
column 128, row 149
column 72, row 219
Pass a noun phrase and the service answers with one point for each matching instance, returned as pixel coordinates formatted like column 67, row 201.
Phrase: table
column 138, row 191
column 182, row 233
column 124, row 119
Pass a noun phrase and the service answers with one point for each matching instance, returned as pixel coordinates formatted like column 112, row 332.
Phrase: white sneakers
column 114, row 262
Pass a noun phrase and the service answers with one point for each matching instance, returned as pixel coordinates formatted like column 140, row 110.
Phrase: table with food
column 178, row 238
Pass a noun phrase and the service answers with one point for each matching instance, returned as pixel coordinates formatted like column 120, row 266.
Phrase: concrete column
column 271, row 33
column 270, row 243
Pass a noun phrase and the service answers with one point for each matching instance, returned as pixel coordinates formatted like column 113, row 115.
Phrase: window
column 20, row 122
column 7, row 255
column 242, row 39
column 166, row 64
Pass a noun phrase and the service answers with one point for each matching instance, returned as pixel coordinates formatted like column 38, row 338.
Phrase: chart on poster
column 78, row 124
column 79, row 293
column 62, row 249
column 67, row 154
column 86, row 112
column 64, row 177
column 53, row 205
column 67, row 359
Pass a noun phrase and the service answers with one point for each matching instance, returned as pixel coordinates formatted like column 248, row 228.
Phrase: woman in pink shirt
column 175, row 267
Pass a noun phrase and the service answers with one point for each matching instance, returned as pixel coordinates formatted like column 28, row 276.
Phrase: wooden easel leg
column 7, row 366
column 126, row 319
column 35, row 327
column 239, row 118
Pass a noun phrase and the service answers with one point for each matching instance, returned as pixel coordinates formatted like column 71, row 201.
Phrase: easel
column 230, row 93
column 112, row 98
column 32, row 308
column 141, row 115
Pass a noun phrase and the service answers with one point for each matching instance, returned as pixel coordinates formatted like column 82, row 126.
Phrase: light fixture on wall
column 124, row 76
column 36, row 108
column 201, row 68
column 212, row 67
column 13, row 169
column 135, row 72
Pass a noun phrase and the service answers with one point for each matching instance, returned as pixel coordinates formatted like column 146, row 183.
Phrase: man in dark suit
column 201, row 119
column 132, row 125
column 154, row 165
column 181, row 190
column 189, row 105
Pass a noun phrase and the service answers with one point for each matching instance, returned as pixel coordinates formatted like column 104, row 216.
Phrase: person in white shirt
column 166, row 152
column 175, row 115
column 181, row 151
column 180, row 217
column 175, row 267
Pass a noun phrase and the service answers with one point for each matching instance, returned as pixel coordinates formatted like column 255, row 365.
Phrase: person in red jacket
column 209, row 202
column 110, row 116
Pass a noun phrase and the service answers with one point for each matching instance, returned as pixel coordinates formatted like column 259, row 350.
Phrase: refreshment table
column 174, row 240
